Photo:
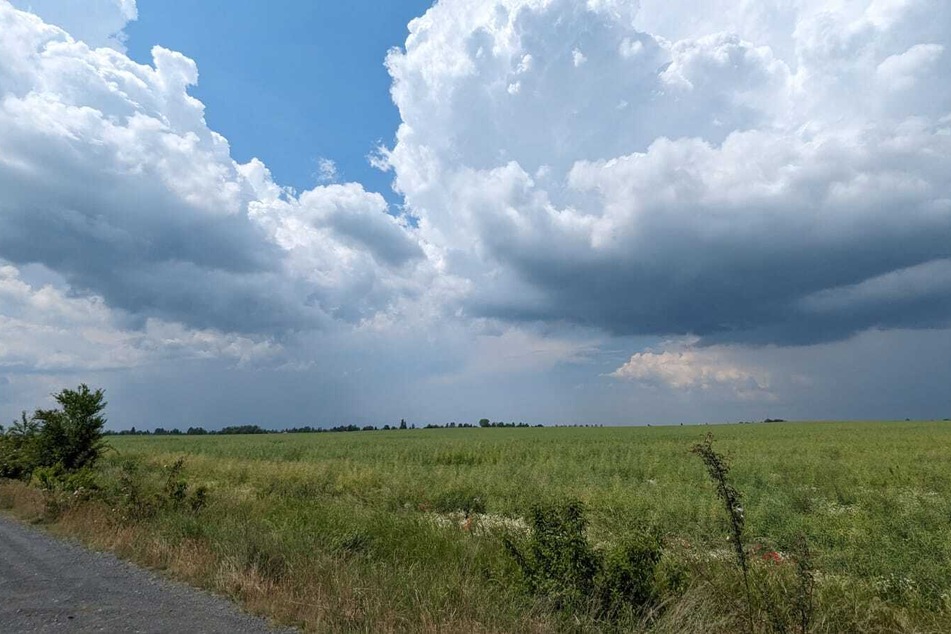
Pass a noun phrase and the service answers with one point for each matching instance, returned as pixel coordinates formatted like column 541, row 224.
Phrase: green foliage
column 57, row 478
column 558, row 562
column 72, row 436
column 69, row 438
column 64, row 489
column 628, row 575
column 18, row 449
column 132, row 504
column 238, row 430
column 351, row 517
column 136, row 499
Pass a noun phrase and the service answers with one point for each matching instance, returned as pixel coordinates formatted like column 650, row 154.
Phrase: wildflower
column 773, row 556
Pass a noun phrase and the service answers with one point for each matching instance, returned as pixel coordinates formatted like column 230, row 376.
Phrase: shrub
column 132, row 503
column 627, row 575
column 18, row 449
column 558, row 562
column 137, row 497
column 69, row 439
column 64, row 489
column 71, row 436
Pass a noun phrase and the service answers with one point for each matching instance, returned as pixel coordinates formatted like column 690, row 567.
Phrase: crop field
column 847, row 525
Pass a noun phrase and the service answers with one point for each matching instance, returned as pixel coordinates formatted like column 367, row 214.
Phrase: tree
column 71, row 436
column 402, row 424
column 484, row 422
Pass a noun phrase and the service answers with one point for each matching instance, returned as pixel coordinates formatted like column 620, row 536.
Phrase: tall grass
column 405, row 531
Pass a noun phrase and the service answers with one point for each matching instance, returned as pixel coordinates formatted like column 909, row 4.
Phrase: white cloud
column 111, row 177
column 682, row 366
column 903, row 71
column 326, row 171
column 764, row 153
column 752, row 172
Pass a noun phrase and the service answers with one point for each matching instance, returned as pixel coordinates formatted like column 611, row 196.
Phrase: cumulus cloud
column 681, row 168
column 110, row 177
column 681, row 366
column 754, row 174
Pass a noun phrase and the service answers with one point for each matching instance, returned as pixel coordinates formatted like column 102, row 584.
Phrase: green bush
column 137, row 497
column 628, row 573
column 64, row 489
column 69, row 438
column 18, row 449
column 558, row 562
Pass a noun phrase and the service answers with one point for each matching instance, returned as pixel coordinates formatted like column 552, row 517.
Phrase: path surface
column 48, row 585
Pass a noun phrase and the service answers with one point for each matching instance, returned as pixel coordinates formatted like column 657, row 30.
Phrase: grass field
column 404, row 530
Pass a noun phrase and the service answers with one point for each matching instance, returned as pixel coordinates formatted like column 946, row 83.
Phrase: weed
column 264, row 558
column 784, row 608
column 719, row 470
column 134, row 502
column 628, row 574
column 558, row 562
column 64, row 489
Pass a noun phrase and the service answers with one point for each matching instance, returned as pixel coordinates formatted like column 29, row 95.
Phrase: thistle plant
column 719, row 469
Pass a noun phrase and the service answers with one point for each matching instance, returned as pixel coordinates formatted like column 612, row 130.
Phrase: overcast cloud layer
column 730, row 192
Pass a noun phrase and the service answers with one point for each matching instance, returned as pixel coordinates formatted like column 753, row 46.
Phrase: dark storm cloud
column 758, row 294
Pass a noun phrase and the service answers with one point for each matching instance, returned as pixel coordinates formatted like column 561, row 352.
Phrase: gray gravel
column 49, row 585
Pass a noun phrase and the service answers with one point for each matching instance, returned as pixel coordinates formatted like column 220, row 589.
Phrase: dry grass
column 331, row 599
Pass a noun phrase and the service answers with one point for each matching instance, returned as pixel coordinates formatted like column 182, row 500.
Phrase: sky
column 549, row 211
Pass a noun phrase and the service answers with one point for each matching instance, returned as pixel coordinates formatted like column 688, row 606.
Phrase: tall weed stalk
column 779, row 610
column 719, row 469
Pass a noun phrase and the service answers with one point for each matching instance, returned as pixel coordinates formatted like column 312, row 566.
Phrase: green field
column 368, row 531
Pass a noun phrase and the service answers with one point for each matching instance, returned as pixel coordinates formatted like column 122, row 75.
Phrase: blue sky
column 316, row 68
column 610, row 211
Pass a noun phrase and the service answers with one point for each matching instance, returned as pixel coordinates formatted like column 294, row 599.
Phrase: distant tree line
column 256, row 429
column 485, row 422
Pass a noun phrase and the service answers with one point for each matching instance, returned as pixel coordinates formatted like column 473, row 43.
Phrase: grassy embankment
column 367, row 531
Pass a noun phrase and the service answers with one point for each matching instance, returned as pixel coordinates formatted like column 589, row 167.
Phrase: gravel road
column 49, row 585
